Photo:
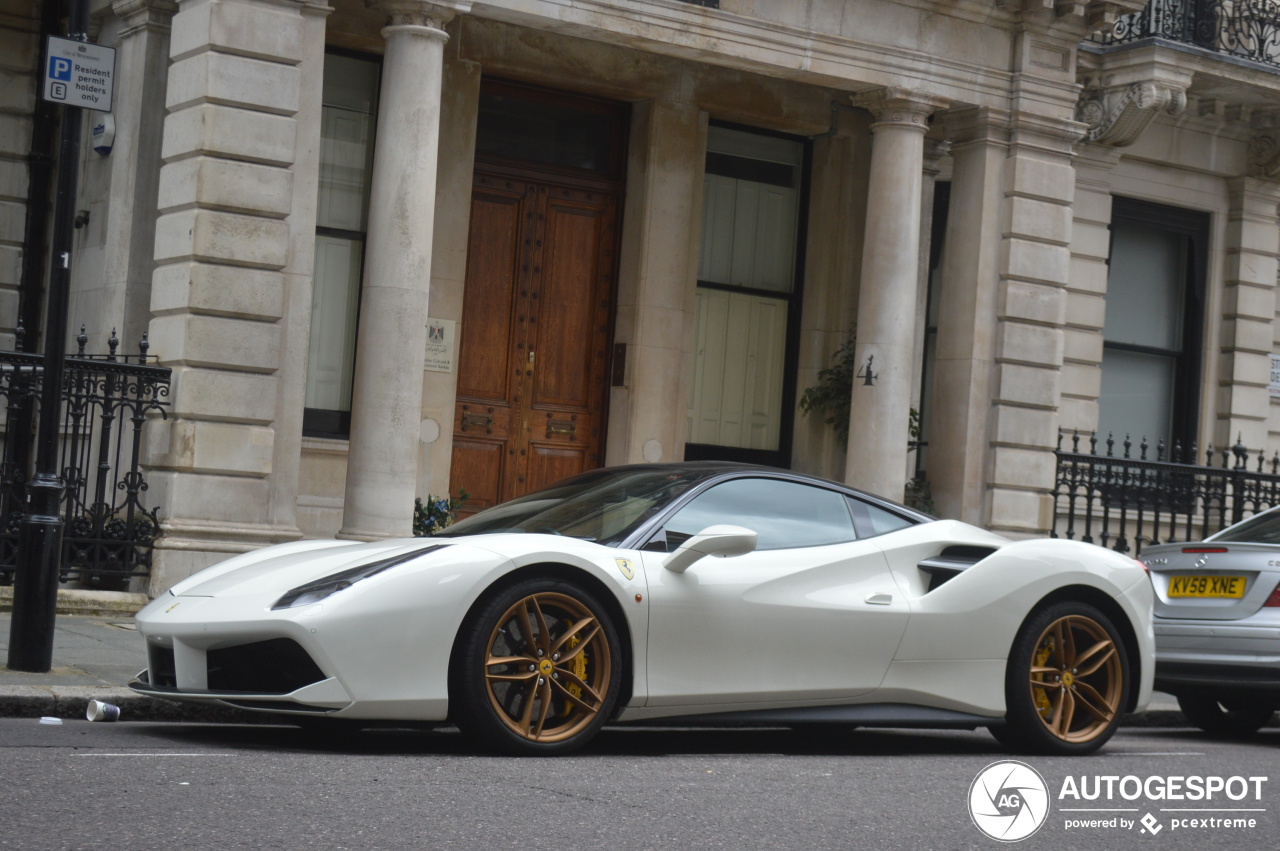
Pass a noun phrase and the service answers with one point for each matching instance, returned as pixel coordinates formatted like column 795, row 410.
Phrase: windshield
column 1260, row 529
column 603, row 506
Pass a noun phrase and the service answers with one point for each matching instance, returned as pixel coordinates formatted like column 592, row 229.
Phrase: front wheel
column 1229, row 719
column 538, row 669
column 1067, row 682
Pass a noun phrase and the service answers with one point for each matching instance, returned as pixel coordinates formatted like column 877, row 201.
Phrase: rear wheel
column 1227, row 718
column 1066, row 683
column 538, row 669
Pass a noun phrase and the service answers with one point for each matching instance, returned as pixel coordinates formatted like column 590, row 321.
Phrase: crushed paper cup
column 101, row 711
column 49, row 719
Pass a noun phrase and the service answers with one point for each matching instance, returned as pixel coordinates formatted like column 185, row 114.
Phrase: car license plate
column 1206, row 586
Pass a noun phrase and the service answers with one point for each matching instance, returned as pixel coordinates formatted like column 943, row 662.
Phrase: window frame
column 780, row 457
column 933, row 296
column 836, row 498
column 651, row 537
column 324, row 422
column 1194, row 227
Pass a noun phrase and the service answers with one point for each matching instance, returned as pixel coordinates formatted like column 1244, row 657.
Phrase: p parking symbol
column 59, row 68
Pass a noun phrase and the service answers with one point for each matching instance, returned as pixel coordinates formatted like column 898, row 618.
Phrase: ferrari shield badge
column 624, row 565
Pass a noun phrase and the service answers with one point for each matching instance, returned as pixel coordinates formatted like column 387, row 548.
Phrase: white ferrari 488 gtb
column 693, row 593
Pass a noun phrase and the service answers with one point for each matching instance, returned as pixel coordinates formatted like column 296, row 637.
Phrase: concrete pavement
column 94, row 657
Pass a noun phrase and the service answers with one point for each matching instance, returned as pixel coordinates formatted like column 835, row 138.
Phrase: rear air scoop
column 951, row 562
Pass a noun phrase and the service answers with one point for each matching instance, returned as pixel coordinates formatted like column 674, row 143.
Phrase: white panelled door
column 738, row 360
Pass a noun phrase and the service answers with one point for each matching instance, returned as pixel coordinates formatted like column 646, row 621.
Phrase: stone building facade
column 401, row 248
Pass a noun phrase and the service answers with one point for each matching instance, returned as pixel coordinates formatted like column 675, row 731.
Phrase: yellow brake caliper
column 1043, row 705
column 579, row 671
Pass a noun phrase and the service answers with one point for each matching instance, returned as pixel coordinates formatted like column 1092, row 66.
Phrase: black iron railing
column 109, row 530
column 1124, row 500
column 1248, row 29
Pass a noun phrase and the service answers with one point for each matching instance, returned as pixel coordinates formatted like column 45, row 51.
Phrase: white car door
column 812, row 614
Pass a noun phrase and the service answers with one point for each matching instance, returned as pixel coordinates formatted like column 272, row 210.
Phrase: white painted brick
column 232, row 133
column 237, row 81
column 261, row 30
column 218, row 290
column 216, row 342
column 226, row 185
column 222, row 237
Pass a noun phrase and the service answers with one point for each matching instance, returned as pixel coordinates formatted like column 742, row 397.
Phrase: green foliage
column 919, row 496
column 434, row 515
column 830, row 396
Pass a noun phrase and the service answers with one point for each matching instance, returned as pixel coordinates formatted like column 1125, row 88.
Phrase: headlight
column 317, row 590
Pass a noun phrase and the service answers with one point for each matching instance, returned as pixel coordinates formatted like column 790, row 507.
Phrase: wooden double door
column 536, row 327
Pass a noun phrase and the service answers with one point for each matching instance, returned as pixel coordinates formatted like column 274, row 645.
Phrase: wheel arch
column 1103, row 602
column 567, row 573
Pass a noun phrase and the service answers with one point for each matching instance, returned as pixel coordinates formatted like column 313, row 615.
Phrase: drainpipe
column 35, row 588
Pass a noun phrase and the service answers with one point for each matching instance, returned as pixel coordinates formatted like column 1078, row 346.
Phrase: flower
column 434, row 515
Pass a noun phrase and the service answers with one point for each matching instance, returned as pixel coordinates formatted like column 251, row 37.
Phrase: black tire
column 1067, row 682
column 1235, row 718
column 1000, row 733
column 560, row 677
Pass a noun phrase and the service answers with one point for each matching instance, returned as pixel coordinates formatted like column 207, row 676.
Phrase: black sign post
column 35, row 591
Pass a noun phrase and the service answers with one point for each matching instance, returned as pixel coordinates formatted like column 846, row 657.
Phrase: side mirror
column 720, row 541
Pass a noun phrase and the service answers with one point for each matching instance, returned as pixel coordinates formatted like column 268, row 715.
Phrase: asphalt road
column 180, row 786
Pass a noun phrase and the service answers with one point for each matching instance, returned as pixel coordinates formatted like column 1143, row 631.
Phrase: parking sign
column 79, row 74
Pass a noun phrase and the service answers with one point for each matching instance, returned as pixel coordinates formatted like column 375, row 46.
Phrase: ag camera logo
column 1008, row 800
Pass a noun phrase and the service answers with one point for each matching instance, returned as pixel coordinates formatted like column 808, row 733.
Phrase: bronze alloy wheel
column 548, row 667
column 1066, row 683
column 1077, row 679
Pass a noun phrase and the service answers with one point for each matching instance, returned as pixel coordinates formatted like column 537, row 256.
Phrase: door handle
column 879, row 599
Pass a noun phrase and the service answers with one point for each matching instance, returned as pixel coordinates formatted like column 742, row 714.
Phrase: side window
column 873, row 520
column 781, row 513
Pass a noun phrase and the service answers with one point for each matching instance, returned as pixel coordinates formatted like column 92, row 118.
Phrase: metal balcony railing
column 111, row 526
column 1245, row 29
column 1123, row 499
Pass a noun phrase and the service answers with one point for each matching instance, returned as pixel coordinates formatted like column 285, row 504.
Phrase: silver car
column 1217, row 624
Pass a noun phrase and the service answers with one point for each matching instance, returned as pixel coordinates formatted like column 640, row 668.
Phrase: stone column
column 460, row 106
column 833, row 255
column 969, row 287
column 129, row 238
column 880, row 407
column 386, row 402
column 231, row 194
column 1249, row 312
column 1031, row 302
column 658, row 281
column 1087, row 289
column 295, row 325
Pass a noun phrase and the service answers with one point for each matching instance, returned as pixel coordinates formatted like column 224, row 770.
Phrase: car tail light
column 1274, row 600
column 1204, row 549
column 1142, row 564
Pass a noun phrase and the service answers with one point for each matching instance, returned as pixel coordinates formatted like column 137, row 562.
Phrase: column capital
column 898, row 106
column 935, row 150
column 969, row 125
column 433, row 14
column 139, row 14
